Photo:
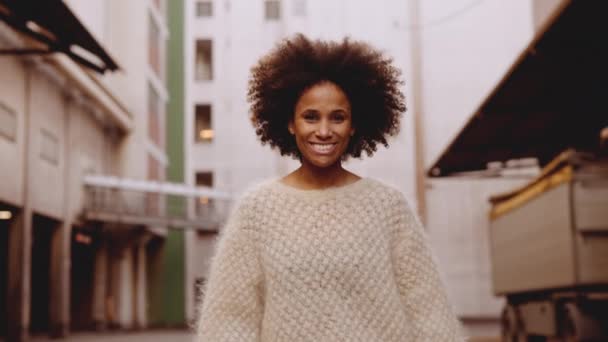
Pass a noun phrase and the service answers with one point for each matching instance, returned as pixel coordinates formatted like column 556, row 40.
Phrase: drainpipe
column 417, row 92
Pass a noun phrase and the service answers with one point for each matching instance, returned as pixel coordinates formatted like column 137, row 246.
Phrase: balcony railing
column 134, row 202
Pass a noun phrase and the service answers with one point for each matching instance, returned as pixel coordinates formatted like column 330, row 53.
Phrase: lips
column 323, row 148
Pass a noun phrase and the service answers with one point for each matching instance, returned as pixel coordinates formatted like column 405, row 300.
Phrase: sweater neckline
column 336, row 190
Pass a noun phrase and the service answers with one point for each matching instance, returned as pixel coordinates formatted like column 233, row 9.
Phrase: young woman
column 323, row 254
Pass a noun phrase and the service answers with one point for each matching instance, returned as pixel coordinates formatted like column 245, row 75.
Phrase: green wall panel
column 166, row 281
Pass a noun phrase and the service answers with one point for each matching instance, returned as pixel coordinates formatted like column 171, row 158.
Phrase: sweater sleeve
column 421, row 289
column 232, row 305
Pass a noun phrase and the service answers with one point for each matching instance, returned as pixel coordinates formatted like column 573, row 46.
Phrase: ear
column 352, row 131
column 290, row 127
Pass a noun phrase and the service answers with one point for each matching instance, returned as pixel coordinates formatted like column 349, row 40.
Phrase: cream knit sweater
column 342, row 264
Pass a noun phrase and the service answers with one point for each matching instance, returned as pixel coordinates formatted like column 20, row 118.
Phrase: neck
column 313, row 177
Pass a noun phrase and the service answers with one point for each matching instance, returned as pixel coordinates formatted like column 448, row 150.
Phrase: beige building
column 69, row 259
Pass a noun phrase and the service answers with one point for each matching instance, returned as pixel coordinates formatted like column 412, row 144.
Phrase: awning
column 554, row 97
column 52, row 23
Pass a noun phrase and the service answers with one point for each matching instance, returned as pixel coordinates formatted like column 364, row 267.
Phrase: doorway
column 7, row 215
column 43, row 229
column 81, row 279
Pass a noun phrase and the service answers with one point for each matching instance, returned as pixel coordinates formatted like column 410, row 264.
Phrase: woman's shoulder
column 394, row 199
column 391, row 192
column 255, row 194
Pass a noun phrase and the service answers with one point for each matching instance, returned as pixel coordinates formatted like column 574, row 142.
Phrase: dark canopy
column 553, row 97
column 53, row 23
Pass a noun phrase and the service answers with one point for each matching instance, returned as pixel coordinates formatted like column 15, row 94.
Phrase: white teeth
column 323, row 148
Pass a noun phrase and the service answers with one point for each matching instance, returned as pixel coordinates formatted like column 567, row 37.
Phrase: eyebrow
column 311, row 110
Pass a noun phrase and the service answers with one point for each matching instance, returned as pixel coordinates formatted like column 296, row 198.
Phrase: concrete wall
column 47, row 135
column 91, row 149
column 122, row 28
column 465, row 51
column 463, row 59
column 66, row 121
column 13, row 95
column 90, row 153
column 458, row 227
column 70, row 136
column 238, row 39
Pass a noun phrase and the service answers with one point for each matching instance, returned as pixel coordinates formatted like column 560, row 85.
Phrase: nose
column 323, row 130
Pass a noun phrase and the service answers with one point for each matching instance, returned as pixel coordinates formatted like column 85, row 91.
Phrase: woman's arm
column 422, row 292
column 233, row 305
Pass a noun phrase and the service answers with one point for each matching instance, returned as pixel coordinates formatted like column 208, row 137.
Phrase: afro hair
column 366, row 76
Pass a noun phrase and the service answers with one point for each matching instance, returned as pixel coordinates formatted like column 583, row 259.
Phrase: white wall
column 463, row 59
column 234, row 155
column 458, row 226
column 47, row 113
column 121, row 27
column 89, row 152
column 12, row 94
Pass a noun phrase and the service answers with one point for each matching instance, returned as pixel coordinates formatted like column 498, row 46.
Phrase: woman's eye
column 338, row 118
column 309, row 117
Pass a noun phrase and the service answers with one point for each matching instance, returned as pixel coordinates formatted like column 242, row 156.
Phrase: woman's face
column 322, row 124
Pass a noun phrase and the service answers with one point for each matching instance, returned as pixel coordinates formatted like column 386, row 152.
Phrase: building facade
column 63, row 264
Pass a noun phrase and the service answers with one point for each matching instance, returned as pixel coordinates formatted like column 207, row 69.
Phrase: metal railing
column 156, row 204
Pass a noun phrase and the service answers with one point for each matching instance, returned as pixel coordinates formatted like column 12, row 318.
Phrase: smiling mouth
column 323, row 148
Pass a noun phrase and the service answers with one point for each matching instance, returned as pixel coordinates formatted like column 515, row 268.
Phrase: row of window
column 203, row 58
column 272, row 9
column 203, row 63
column 8, row 123
column 49, row 142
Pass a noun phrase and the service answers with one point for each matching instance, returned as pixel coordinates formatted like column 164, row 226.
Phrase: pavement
column 145, row 336
column 160, row 336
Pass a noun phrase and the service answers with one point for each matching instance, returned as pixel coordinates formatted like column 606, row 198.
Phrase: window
column 8, row 123
column 204, row 63
column 204, row 206
column 204, row 179
column 272, row 10
column 154, row 45
column 204, row 9
column 49, row 147
column 154, row 119
column 299, row 8
column 203, row 129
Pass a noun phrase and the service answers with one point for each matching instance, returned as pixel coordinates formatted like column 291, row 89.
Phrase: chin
column 323, row 163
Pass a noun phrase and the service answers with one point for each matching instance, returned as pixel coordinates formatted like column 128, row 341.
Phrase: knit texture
column 342, row 264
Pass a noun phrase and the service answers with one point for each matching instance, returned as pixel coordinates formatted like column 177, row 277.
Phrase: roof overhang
column 53, row 24
column 551, row 99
